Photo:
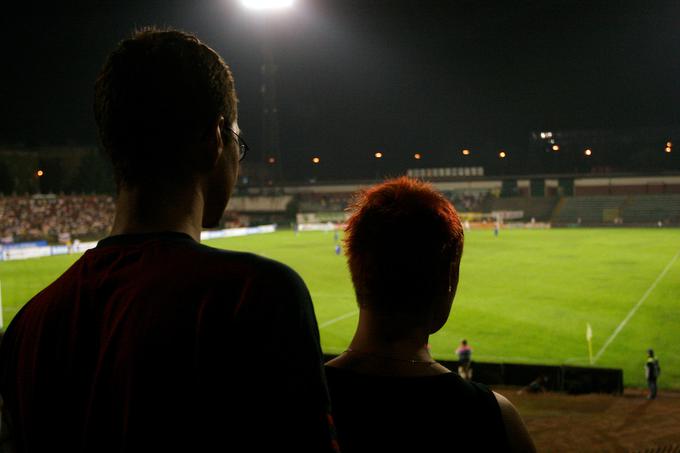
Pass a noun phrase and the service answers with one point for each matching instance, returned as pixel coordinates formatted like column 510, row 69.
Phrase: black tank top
column 385, row 414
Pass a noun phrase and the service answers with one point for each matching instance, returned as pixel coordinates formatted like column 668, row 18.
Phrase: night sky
column 356, row 76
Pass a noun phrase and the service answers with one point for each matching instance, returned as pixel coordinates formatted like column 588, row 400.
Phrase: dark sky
column 357, row 76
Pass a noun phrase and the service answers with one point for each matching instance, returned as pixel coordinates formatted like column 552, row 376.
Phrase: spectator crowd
column 51, row 217
column 467, row 201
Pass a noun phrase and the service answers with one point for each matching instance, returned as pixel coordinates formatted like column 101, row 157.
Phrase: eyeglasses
column 242, row 145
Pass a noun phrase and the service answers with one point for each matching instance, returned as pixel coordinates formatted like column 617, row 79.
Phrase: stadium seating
column 55, row 217
column 467, row 201
column 324, row 202
column 589, row 210
column 58, row 217
column 539, row 209
column 645, row 209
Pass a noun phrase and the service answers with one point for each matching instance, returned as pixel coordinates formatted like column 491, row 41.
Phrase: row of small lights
column 380, row 155
column 466, row 152
column 417, row 156
column 588, row 152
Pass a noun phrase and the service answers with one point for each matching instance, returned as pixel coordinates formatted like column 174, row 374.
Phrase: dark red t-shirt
column 416, row 414
column 156, row 343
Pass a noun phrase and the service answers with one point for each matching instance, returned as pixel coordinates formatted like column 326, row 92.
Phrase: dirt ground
column 601, row 423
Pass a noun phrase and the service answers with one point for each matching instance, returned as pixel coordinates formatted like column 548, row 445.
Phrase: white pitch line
column 635, row 308
column 339, row 318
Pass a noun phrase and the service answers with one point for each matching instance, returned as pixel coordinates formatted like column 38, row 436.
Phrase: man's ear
column 211, row 146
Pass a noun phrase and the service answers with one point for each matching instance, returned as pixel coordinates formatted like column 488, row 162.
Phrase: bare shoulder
column 518, row 436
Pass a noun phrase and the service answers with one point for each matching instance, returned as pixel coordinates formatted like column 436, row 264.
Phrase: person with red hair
column 404, row 243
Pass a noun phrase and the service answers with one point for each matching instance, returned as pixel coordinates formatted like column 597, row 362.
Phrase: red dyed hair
column 401, row 240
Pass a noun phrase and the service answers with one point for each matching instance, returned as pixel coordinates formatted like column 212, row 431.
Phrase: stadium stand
column 664, row 208
column 56, row 218
column 61, row 218
column 589, row 210
column 465, row 201
column 633, row 210
column 468, row 201
column 540, row 209
column 324, row 202
column 259, row 203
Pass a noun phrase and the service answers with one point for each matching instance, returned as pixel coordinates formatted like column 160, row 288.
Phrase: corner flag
column 589, row 338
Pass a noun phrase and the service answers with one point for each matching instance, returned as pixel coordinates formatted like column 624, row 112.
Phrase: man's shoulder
column 189, row 255
column 261, row 278
column 260, row 266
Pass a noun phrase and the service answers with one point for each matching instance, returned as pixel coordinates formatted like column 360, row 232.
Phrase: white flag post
column 589, row 337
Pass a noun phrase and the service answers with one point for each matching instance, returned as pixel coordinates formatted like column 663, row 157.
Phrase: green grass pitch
column 524, row 297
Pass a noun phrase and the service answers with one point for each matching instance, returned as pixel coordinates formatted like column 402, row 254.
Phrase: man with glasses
column 242, row 145
column 152, row 341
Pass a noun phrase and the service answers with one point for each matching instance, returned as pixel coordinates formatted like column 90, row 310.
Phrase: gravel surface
column 601, row 423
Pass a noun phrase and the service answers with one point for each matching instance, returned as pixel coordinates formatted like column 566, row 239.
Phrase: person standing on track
column 652, row 372
column 464, row 353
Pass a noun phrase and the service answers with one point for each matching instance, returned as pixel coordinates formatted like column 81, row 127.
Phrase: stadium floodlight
column 588, row 152
column 266, row 9
column 378, row 155
column 267, row 5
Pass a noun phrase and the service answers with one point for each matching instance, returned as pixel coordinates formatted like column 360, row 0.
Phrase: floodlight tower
column 272, row 170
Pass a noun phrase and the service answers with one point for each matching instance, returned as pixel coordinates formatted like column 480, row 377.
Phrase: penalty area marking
column 339, row 318
column 635, row 308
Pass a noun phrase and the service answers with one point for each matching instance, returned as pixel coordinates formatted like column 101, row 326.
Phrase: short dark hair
column 157, row 92
column 401, row 236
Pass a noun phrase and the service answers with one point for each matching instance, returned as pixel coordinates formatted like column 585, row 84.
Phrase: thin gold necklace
column 398, row 359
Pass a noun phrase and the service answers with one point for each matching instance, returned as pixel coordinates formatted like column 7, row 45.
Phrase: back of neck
column 139, row 211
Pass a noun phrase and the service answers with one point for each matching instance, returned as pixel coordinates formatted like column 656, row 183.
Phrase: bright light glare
column 39, row 172
column 466, row 152
column 267, row 4
column 378, row 155
column 417, row 156
column 316, row 160
column 588, row 152
column 555, row 147
column 502, row 154
column 668, row 149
